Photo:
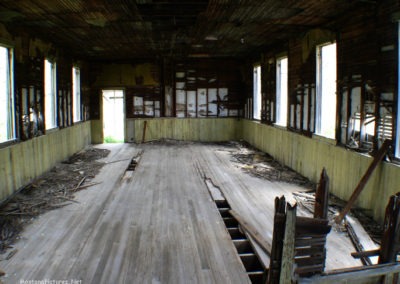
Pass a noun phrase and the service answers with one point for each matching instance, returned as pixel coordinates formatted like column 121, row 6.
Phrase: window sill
column 280, row 126
column 8, row 143
column 324, row 139
column 51, row 130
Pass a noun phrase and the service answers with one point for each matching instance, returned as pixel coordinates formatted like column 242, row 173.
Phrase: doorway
column 113, row 116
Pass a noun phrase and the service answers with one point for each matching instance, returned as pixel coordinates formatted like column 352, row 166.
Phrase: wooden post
column 322, row 196
column 390, row 241
column 287, row 263
column 277, row 241
column 378, row 157
column 144, row 131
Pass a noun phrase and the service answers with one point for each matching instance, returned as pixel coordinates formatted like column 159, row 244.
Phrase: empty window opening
column 76, row 92
column 50, row 89
column 397, row 150
column 6, row 95
column 257, row 93
column 113, row 116
column 326, row 90
column 281, row 91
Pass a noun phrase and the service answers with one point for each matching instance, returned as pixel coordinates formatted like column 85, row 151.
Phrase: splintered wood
column 52, row 190
column 298, row 244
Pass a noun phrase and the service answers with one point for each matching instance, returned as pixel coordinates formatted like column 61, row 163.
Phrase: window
column 281, row 90
column 397, row 150
column 7, row 121
column 257, row 93
column 76, row 92
column 326, row 90
column 50, row 89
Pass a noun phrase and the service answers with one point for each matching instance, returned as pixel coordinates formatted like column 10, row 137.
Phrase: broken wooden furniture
column 298, row 245
column 390, row 245
column 387, row 269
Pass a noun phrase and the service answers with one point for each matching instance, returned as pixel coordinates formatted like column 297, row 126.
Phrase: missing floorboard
column 134, row 162
column 245, row 250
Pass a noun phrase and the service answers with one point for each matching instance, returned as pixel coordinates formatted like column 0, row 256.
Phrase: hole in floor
column 251, row 262
column 134, row 162
column 247, row 255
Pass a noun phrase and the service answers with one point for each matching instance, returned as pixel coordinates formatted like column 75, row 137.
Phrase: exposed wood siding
column 345, row 168
column 23, row 162
column 191, row 129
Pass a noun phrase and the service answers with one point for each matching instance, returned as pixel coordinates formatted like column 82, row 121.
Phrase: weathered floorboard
column 155, row 225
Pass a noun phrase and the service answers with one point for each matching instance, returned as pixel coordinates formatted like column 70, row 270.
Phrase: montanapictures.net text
column 48, row 281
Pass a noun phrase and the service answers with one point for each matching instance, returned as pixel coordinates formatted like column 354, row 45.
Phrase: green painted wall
column 96, row 129
column 188, row 129
column 25, row 161
column 345, row 168
column 306, row 155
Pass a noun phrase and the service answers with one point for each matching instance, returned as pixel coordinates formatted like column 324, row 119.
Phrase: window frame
column 397, row 143
column 11, row 133
column 53, row 95
column 76, row 94
column 319, row 89
column 280, row 121
column 257, row 92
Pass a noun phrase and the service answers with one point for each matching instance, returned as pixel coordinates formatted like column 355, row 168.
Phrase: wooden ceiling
column 128, row 29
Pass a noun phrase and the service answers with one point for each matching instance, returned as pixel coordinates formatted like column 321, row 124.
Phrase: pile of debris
column 306, row 200
column 262, row 165
column 52, row 190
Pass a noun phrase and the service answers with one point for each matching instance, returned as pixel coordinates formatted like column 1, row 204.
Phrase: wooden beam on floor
column 377, row 159
column 353, row 273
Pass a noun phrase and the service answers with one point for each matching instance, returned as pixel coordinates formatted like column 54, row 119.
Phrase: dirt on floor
column 262, row 165
column 52, row 190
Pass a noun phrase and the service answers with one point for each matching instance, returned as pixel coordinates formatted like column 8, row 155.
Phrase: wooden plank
column 253, row 232
column 361, row 239
column 277, row 241
column 322, row 196
column 309, row 242
column 253, row 198
column 366, row 253
column 157, row 225
column 308, row 226
column 307, row 261
column 312, row 250
column 144, row 131
column 288, row 246
column 354, row 273
column 305, row 270
column 390, row 241
column 262, row 255
column 215, row 192
column 377, row 159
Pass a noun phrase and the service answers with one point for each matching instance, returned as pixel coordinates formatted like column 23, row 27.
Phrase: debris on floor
column 262, row 165
column 306, row 200
column 52, row 190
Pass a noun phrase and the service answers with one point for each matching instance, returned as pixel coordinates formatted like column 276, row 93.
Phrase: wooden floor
column 157, row 224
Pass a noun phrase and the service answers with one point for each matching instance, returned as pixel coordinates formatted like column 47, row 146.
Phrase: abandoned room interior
column 199, row 141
